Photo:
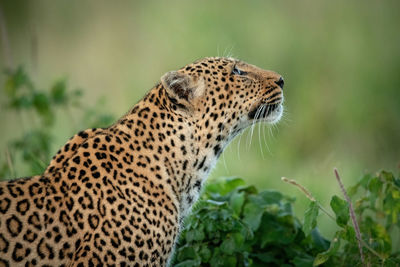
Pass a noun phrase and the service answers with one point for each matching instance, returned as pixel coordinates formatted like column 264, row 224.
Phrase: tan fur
column 118, row 195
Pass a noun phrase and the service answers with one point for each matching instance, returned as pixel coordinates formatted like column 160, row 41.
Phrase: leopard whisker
column 250, row 135
column 259, row 131
column 266, row 126
column 253, row 123
column 229, row 134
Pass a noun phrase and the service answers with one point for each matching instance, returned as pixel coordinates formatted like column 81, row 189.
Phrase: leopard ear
column 182, row 87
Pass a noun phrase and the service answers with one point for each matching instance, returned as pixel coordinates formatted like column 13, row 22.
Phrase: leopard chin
column 275, row 115
column 270, row 113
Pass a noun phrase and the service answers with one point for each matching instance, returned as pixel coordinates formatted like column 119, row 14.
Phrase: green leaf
column 365, row 180
column 387, row 176
column 230, row 261
column 228, row 245
column 379, row 238
column 276, row 231
column 391, row 204
column 210, row 227
column 375, row 185
column 205, row 253
column 224, row 186
column 397, row 182
column 352, row 190
column 16, row 80
column 324, row 256
column 216, row 259
column 42, row 105
column 266, row 257
column 320, row 242
column 187, row 252
column 348, row 233
column 285, row 210
column 252, row 215
column 239, row 239
column 271, row 196
column 21, row 78
column 310, row 217
column 250, row 190
column 189, row 263
column 194, row 235
column 303, row 261
column 341, row 209
column 237, row 201
column 58, row 92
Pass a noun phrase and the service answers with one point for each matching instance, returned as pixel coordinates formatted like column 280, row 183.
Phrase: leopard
column 117, row 196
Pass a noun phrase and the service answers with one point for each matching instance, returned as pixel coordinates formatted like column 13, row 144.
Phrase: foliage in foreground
column 235, row 225
column 40, row 107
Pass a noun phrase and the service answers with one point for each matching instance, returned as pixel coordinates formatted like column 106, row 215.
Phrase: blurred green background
column 340, row 60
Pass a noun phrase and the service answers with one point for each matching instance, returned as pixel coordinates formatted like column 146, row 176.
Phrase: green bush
column 32, row 146
column 235, row 225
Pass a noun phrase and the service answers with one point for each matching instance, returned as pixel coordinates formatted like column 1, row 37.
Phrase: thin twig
column 299, row 186
column 308, row 195
column 352, row 215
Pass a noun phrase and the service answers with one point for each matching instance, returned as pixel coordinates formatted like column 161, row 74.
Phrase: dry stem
column 302, row 188
column 308, row 194
column 352, row 215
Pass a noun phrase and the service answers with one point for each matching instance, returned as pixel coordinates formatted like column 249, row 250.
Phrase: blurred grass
column 340, row 60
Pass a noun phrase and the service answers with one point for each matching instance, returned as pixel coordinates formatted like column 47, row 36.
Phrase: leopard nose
column 280, row 82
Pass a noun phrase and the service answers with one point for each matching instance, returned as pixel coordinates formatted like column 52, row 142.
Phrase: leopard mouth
column 266, row 112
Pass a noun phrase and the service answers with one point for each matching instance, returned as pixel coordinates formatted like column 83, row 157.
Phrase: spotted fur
column 116, row 196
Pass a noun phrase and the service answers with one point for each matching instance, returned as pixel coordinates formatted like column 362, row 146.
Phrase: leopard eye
column 237, row 71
